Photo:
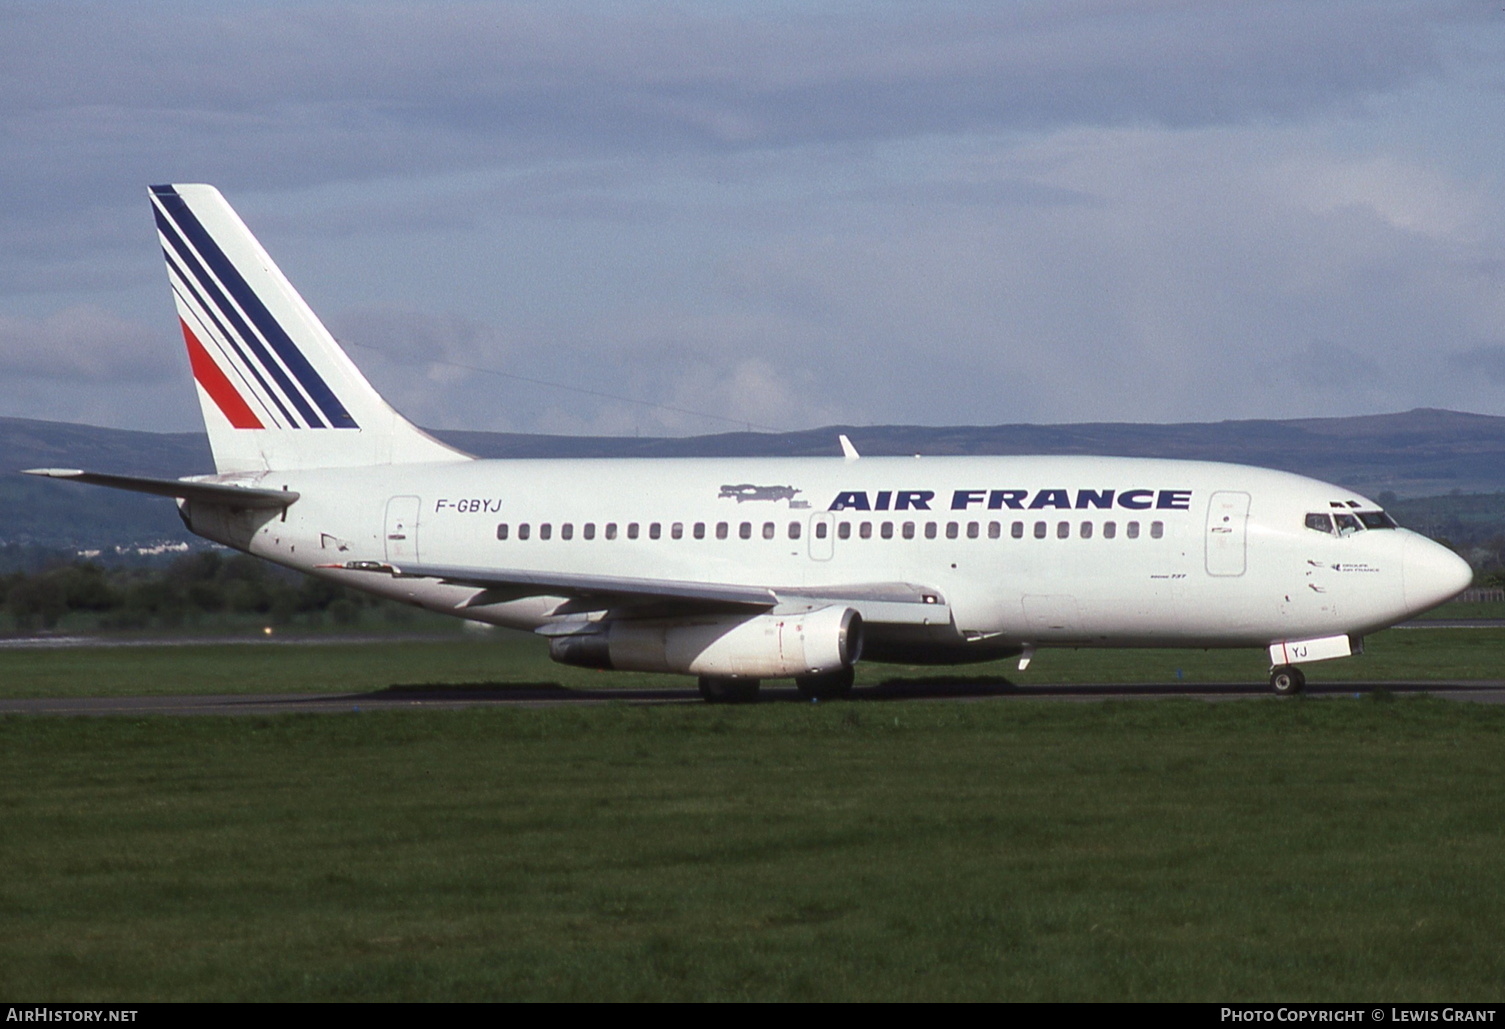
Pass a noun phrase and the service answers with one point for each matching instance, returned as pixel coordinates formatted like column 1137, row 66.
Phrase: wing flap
column 887, row 602
column 521, row 583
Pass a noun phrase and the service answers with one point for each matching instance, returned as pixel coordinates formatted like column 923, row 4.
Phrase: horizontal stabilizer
column 203, row 492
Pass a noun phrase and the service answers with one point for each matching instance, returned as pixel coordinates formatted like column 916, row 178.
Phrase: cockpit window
column 1377, row 520
column 1320, row 522
column 1346, row 523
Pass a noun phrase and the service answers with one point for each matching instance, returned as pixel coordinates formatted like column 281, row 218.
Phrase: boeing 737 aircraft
column 737, row 570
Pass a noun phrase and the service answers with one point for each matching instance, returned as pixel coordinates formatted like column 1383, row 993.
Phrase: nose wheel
column 1287, row 680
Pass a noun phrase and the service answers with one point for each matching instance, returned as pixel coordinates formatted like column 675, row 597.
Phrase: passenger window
column 1063, row 530
column 794, row 530
column 1319, row 521
column 865, row 530
column 653, row 530
column 930, row 530
column 522, row 531
column 632, row 530
column 844, row 530
column 677, row 531
column 1039, row 530
column 501, row 531
column 721, row 530
column 951, row 530
column 972, row 530
column 908, row 530
column 1017, row 530
column 567, row 531
column 768, row 530
column 611, row 530
column 1086, row 530
column 700, row 530
column 745, row 530
column 545, row 531
column 995, row 530
column 589, row 532
column 820, row 530
column 1157, row 530
column 1110, row 529
column 1132, row 530
column 887, row 530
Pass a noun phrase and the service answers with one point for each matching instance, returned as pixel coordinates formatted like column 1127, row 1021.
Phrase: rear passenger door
column 402, row 530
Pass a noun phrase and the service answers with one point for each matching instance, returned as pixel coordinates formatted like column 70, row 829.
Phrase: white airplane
column 742, row 569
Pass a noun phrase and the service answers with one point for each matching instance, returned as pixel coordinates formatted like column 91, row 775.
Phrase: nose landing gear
column 1287, row 680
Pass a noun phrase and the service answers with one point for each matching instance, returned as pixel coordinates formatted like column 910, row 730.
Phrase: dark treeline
column 1489, row 563
column 194, row 588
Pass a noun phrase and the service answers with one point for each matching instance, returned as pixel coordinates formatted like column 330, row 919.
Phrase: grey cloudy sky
column 784, row 214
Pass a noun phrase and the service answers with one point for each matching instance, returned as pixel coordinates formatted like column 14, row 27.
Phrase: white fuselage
column 1025, row 551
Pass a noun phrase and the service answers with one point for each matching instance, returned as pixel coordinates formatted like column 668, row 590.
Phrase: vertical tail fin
column 277, row 391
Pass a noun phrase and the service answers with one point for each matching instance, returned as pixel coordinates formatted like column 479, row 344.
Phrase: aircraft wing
column 205, row 492
column 889, row 602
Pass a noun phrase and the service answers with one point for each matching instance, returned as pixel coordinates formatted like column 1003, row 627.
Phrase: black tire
column 830, row 686
column 1287, row 681
column 718, row 690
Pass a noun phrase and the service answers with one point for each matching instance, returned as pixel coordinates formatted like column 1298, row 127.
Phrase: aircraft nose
column 1431, row 574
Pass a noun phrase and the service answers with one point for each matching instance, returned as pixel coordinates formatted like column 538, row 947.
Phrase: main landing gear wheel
column 1287, row 680
column 719, row 690
column 830, row 686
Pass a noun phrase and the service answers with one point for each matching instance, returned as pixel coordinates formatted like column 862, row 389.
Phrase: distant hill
column 25, row 443
column 1421, row 453
column 57, row 514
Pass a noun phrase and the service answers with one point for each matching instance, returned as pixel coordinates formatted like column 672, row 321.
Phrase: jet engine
column 769, row 646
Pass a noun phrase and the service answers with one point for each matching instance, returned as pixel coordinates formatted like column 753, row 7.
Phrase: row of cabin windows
column 864, row 530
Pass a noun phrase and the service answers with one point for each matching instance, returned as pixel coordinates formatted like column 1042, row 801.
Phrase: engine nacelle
column 756, row 647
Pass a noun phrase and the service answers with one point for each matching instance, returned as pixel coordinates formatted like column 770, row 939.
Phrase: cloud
column 687, row 376
column 1404, row 195
column 84, row 344
column 279, row 95
column 1488, row 360
column 784, row 214
column 1146, row 274
column 412, row 338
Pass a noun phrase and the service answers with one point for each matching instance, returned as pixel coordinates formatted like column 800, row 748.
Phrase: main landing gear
column 1287, row 680
column 724, row 690
column 720, row 689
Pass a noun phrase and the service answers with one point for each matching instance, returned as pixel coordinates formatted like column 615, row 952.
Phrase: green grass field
column 1323, row 849
column 1173, row 850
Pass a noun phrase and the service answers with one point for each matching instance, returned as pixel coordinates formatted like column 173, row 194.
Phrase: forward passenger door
column 1227, row 531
